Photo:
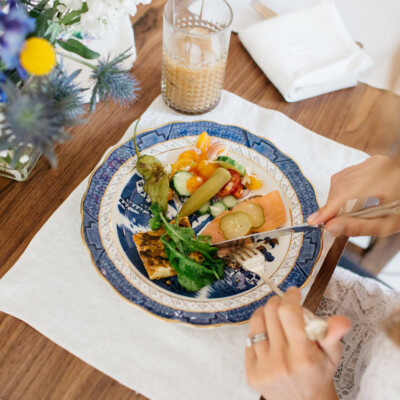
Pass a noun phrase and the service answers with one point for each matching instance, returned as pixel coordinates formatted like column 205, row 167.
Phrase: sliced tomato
column 232, row 184
column 239, row 191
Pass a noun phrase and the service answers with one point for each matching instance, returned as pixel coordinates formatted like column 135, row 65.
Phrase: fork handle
column 316, row 327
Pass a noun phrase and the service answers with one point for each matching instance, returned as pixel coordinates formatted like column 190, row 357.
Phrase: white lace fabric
column 370, row 366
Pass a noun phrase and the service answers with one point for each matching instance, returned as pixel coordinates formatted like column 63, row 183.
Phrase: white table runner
column 55, row 288
column 374, row 23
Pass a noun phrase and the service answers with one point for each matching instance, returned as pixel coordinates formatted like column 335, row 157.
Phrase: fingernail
column 335, row 229
column 312, row 218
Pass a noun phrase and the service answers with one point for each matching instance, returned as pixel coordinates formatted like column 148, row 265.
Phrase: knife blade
column 268, row 235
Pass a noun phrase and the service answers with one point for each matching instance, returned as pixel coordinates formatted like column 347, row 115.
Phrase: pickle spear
column 205, row 192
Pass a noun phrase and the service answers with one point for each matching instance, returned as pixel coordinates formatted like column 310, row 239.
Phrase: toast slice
column 151, row 251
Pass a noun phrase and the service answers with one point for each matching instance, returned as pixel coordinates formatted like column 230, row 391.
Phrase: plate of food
column 222, row 182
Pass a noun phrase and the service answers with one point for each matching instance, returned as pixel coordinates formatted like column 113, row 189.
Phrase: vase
column 21, row 169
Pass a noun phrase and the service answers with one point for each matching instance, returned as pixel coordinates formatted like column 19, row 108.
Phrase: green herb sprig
column 179, row 244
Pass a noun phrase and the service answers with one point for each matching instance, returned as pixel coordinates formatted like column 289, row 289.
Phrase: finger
column 363, row 227
column 338, row 326
column 291, row 317
column 276, row 335
column 258, row 325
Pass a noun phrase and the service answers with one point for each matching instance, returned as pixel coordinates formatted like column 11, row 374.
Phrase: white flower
column 73, row 4
column 103, row 15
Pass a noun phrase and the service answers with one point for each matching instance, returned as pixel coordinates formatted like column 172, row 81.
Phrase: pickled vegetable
column 205, row 192
column 235, row 225
column 254, row 211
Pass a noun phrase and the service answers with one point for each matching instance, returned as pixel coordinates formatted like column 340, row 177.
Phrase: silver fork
column 253, row 260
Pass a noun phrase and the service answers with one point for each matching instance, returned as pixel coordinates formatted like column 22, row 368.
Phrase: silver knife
column 380, row 210
column 264, row 236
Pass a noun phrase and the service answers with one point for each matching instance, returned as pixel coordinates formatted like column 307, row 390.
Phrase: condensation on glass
column 196, row 37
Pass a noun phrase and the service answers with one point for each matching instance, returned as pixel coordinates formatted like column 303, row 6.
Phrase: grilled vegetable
column 156, row 179
column 205, row 192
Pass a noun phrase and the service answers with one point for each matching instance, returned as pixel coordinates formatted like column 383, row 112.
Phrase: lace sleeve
column 366, row 303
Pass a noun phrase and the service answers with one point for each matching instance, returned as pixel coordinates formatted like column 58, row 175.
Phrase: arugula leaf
column 179, row 244
column 156, row 222
column 192, row 276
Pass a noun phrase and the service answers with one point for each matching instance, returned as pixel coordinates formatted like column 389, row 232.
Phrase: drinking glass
column 196, row 37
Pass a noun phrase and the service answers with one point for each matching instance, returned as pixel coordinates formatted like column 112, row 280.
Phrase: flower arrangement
column 38, row 98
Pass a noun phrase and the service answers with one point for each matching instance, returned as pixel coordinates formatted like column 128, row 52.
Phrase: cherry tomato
column 189, row 154
column 184, row 164
column 207, row 168
column 232, row 184
column 239, row 191
column 253, row 183
column 194, row 183
column 203, row 143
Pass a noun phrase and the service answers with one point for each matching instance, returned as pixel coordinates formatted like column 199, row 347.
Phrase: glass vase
column 21, row 169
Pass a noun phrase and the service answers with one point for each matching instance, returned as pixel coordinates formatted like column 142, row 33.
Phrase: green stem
column 134, row 139
column 66, row 55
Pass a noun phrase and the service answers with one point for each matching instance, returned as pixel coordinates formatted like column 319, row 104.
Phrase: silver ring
column 255, row 339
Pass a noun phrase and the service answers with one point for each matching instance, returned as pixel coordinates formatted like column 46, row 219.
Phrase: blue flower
column 3, row 96
column 14, row 27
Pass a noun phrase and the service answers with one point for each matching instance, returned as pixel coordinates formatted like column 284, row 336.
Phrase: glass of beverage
column 196, row 37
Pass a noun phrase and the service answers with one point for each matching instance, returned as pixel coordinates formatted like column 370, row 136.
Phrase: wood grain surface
column 33, row 367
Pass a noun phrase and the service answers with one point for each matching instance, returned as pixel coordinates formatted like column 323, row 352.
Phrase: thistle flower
column 65, row 92
column 32, row 118
column 113, row 82
column 14, row 27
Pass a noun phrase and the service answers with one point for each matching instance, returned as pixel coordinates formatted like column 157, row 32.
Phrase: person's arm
column 377, row 177
column 287, row 365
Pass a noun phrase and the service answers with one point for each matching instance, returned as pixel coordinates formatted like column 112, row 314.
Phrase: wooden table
column 33, row 367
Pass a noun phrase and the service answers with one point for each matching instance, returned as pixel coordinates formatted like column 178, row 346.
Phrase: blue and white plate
column 115, row 207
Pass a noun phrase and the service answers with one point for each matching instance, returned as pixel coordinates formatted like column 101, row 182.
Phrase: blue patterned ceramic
column 115, row 207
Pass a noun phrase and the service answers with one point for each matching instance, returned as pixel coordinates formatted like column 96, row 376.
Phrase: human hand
column 287, row 365
column 378, row 177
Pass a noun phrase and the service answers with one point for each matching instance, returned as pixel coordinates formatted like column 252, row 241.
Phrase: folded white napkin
column 55, row 288
column 307, row 52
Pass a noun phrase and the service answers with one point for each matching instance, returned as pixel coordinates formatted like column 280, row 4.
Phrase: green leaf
column 43, row 21
column 38, row 9
column 76, row 47
column 74, row 16
column 156, row 222
column 52, row 32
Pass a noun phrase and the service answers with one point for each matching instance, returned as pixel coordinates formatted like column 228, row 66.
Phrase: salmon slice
column 274, row 214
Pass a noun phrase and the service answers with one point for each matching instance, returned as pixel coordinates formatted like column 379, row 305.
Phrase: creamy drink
column 193, row 60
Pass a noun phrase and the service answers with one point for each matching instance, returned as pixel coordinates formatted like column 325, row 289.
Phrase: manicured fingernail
column 312, row 218
column 335, row 229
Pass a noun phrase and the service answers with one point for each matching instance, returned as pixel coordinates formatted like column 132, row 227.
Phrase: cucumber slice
column 229, row 163
column 254, row 211
column 179, row 182
column 217, row 208
column 235, row 225
column 204, row 209
column 230, row 201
